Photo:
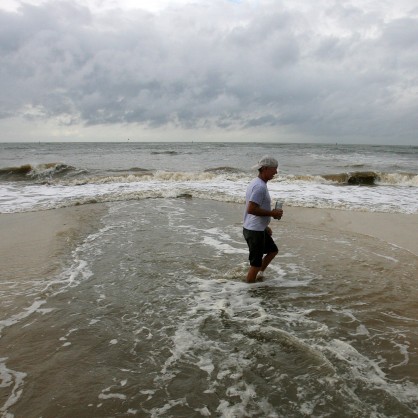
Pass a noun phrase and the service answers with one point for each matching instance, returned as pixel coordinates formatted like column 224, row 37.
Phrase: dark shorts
column 259, row 243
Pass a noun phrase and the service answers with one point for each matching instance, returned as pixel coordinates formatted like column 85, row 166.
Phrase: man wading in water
column 257, row 217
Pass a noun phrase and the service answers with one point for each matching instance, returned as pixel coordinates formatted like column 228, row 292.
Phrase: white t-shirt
column 258, row 193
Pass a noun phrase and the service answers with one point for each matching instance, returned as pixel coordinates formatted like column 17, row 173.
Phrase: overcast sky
column 211, row 70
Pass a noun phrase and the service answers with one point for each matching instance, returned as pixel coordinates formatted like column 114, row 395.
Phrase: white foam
column 112, row 396
column 24, row 197
column 368, row 372
column 204, row 412
column 10, row 379
column 404, row 351
column 221, row 246
column 205, row 363
column 21, row 315
column 243, row 311
column 162, row 411
column 399, row 317
column 361, row 330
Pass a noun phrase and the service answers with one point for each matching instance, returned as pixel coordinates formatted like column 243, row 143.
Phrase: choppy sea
column 151, row 318
column 45, row 176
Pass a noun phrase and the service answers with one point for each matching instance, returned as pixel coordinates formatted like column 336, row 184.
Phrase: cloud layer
column 324, row 70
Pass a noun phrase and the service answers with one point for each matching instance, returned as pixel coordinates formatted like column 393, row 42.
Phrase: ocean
column 150, row 317
column 46, row 176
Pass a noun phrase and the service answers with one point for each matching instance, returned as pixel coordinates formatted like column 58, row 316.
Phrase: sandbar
column 37, row 244
column 394, row 228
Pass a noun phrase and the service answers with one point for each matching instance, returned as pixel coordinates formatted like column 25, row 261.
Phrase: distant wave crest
column 164, row 153
column 224, row 170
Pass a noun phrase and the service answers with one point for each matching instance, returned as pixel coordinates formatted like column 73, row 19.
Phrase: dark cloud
column 339, row 72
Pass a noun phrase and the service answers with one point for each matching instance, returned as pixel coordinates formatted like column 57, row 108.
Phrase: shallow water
column 153, row 319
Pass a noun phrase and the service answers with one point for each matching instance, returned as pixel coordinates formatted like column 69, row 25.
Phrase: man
column 257, row 217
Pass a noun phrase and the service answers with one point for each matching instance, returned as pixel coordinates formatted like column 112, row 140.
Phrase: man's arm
column 255, row 209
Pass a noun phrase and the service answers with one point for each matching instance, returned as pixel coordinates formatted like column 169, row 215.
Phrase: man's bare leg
column 253, row 271
column 268, row 258
column 252, row 274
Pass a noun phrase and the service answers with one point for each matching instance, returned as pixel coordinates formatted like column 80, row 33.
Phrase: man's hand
column 277, row 213
column 254, row 209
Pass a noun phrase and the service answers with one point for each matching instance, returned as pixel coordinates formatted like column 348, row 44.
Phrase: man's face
column 270, row 172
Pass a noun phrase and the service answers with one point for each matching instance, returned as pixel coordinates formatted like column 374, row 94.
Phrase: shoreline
column 37, row 244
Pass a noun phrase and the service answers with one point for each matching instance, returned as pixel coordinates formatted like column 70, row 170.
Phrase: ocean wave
column 49, row 196
column 132, row 169
column 15, row 173
column 224, row 170
column 64, row 174
column 36, row 172
column 164, row 153
column 398, row 179
column 325, row 194
column 366, row 178
column 355, row 178
column 143, row 176
column 356, row 166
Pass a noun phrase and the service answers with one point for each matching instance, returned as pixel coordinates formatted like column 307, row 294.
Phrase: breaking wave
column 67, row 174
column 37, row 172
column 366, row 178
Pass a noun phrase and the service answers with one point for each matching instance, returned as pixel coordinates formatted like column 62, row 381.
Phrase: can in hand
column 279, row 205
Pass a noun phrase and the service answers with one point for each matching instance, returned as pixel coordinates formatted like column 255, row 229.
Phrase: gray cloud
column 339, row 72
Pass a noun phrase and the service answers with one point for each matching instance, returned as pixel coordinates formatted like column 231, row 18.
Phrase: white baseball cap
column 266, row 161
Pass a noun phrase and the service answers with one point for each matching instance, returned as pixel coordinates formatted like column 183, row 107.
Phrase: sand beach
column 393, row 228
column 36, row 243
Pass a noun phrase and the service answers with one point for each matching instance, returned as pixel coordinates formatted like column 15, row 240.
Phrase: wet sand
column 394, row 228
column 36, row 244
column 337, row 306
